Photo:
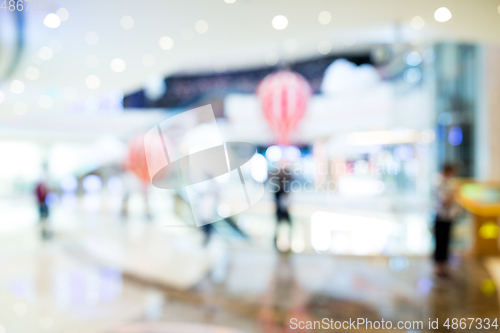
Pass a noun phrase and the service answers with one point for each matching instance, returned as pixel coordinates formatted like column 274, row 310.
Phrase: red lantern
column 284, row 96
column 136, row 161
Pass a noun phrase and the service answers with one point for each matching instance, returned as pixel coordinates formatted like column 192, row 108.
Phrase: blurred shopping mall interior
column 241, row 166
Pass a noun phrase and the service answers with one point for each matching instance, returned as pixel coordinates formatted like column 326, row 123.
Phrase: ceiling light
column 324, row 47
column 93, row 82
column 63, row 14
column 17, row 87
column 32, row 73
column 201, row 26
column 324, row 17
column 127, row 22
column 417, row 23
column 229, row 1
column 91, row 38
column 52, row 21
column 280, row 22
column 118, row 65
column 442, row 14
column 166, row 43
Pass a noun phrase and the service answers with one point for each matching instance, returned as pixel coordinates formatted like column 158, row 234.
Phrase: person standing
column 281, row 182
column 446, row 211
column 41, row 192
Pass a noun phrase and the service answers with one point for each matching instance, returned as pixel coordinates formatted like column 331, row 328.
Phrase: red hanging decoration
column 136, row 160
column 284, row 96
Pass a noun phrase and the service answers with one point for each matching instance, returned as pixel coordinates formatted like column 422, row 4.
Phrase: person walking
column 446, row 211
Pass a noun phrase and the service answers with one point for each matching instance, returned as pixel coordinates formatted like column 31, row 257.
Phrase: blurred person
column 446, row 211
column 209, row 201
column 41, row 192
column 280, row 182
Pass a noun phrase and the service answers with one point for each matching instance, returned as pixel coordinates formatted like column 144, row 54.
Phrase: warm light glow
column 45, row 102
column 17, row 87
column 489, row 230
column 488, row 287
column 91, row 38
column 166, row 43
column 32, row 73
column 93, row 82
column 127, row 22
column 201, row 27
column 52, row 21
column 118, row 65
column 63, row 14
column 442, row 14
column 324, row 47
column 324, row 17
column 417, row 23
column 280, row 22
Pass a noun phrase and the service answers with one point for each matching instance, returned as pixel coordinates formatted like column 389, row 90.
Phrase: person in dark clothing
column 446, row 212
column 280, row 182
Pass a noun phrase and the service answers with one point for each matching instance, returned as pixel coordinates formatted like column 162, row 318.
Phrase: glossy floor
column 103, row 273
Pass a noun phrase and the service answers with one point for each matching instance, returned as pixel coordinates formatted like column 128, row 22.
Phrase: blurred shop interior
column 361, row 102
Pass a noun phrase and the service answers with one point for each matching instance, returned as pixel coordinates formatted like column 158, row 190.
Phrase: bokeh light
column 417, row 23
column 280, row 22
column 127, row 22
column 324, row 17
column 442, row 14
column 118, row 65
column 489, row 230
column 52, row 21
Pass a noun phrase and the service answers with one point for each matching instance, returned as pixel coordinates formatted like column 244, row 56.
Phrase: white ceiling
column 239, row 34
